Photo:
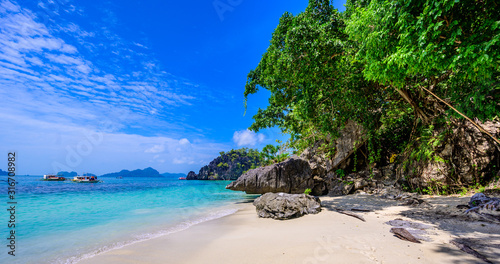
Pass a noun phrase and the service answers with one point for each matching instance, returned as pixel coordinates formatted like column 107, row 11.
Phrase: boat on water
column 51, row 177
column 182, row 178
column 86, row 179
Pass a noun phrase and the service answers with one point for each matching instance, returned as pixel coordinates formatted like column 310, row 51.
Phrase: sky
column 101, row 86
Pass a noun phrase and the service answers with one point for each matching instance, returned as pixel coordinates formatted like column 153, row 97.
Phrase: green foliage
column 273, row 154
column 463, row 191
column 314, row 88
column 223, row 165
column 451, row 47
column 373, row 65
column 308, row 191
column 340, row 173
column 400, row 39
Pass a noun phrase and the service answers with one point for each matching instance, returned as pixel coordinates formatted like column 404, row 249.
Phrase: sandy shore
column 328, row 237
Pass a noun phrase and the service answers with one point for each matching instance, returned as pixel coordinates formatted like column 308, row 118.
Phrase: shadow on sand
column 466, row 229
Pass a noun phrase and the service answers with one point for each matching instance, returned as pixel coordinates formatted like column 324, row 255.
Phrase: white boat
column 85, row 179
column 51, row 177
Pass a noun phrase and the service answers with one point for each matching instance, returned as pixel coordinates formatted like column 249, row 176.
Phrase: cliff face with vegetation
column 229, row 165
column 422, row 79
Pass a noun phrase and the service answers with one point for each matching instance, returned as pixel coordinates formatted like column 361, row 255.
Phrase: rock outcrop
column 463, row 156
column 351, row 138
column 293, row 175
column 375, row 182
column 191, row 176
column 282, row 206
column 228, row 166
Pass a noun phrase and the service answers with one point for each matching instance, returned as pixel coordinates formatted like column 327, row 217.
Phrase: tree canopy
column 388, row 65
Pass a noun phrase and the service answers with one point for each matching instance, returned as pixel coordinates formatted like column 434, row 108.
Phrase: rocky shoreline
column 283, row 186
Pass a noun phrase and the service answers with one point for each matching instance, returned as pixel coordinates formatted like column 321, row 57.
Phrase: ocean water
column 64, row 222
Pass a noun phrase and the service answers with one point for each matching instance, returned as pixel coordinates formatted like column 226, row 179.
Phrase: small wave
column 149, row 236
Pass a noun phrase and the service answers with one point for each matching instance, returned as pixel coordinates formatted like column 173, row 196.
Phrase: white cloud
column 184, row 160
column 7, row 5
column 34, row 56
column 260, row 138
column 155, row 149
column 184, row 141
column 247, row 138
column 140, row 45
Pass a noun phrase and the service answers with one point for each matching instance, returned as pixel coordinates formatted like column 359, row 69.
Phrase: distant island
column 147, row 172
column 73, row 174
column 67, row 174
column 3, row 173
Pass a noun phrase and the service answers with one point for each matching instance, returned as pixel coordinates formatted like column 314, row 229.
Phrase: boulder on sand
column 293, row 175
column 282, row 206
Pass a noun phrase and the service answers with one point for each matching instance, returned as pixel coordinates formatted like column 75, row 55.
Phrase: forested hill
column 229, row 165
column 421, row 77
column 148, row 172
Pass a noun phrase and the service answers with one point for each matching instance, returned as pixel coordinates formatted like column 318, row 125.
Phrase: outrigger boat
column 86, row 179
column 51, row 177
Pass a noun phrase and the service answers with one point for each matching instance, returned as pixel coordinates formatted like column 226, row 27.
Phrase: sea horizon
column 65, row 222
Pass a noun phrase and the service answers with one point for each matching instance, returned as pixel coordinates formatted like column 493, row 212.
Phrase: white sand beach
column 328, row 237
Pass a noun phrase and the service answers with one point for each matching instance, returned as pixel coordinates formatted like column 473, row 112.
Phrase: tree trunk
column 418, row 111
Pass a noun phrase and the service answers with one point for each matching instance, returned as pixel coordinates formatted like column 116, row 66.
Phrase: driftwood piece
column 361, row 210
column 467, row 249
column 403, row 234
column 351, row 214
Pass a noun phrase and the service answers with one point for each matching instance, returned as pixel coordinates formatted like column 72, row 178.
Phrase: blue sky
column 100, row 86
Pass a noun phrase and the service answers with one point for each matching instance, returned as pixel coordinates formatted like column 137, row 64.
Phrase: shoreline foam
column 221, row 212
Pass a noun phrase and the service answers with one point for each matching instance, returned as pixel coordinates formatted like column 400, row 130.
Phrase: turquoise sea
column 64, row 222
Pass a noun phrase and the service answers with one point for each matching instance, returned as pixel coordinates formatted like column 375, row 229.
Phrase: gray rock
column 351, row 138
column 293, row 175
column 191, row 176
column 341, row 189
column 319, row 186
column 282, row 206
column 360, row 184
column 462, row 156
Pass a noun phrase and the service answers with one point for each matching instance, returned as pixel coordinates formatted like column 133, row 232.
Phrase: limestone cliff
column 228, row 166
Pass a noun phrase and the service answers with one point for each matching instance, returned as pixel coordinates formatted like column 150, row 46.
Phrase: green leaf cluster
column 375, row 64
